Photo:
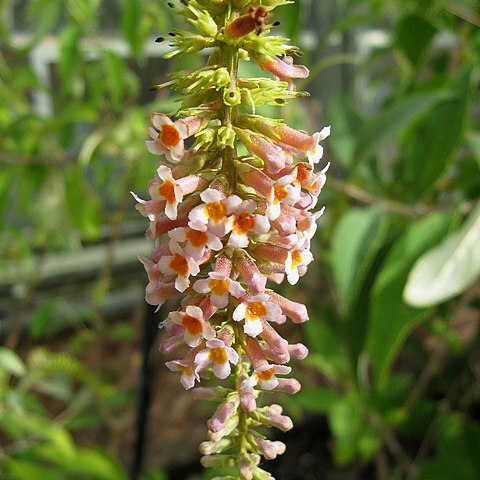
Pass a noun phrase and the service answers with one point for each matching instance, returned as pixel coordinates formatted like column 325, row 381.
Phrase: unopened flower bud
column 231, row 96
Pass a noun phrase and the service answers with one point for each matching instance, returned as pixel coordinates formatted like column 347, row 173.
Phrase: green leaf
column 457, row 453
column 473, row 140
column 356, row 239
column 413, row 34
column 346, row 423
column 97, row 464
column 448, row 269
column 11, row 362
column 42, row 319
column 348, row 122
column 29, row 470
column 438, row 135
column 317, row 400
column 391, row 319
column 386, row 127
column 328, row 353
column 131, row 16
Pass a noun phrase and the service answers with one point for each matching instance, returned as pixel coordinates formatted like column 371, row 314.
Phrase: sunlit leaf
column 447, row 269
column 391, row 319
column 358, row 235
column 11, row 362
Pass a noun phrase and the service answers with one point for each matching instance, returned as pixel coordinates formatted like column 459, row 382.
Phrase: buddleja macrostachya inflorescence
column 228, row 214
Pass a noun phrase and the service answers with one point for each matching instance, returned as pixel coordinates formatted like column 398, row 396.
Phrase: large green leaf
column 413, row 34
column 438, row 135
column 391, row 319
column 447, row 269
column 389, row 124
column 357, row 237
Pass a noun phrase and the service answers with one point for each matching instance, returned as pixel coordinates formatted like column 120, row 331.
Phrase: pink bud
column 297, row 312
column 288, row 385
column 284, row 70
column 191, row 184
column 250, row 274
column 255, row 353
column 170, row 344
column 223, row 265
column 277, row 344
column 271, row 252
column 223, row 412
column 298, row 351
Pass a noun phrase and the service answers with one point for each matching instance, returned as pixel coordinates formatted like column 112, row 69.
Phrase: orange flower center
column 296, row 258
column 303, row 171
column 218, row 287
column 280, row 192
column 167, row 191
column 255, row 310
column 192, row 324
column 218, row 355
column 196, row 238
column 216, row 211
column 266, row 374
column 179, row 264
column 243, row 223
column 169, row 136
column 186, row 370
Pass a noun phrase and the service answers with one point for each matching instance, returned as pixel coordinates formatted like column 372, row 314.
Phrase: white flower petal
column 202, row 358
column 253, row 327
column 240, row 312
column 221, row 370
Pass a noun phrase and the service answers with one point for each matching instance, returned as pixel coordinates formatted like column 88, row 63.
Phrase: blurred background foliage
column 394, row 297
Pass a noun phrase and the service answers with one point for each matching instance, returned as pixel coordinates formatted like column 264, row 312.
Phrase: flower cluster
column 230, row 212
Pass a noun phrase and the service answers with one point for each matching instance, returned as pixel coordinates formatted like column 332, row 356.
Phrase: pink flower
column 195, row 241
column 195, row 328
column 168, row 136
column 296, row 263
column 212, row 214
column 180, row 265
column 168, row 190
column 220, row 355
column 286, row 190
column 244, row 221
column 253, row 311
column 189, row 372
column 264, row 376
column 219, row 286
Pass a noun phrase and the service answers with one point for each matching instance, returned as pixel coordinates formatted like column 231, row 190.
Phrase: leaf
column 317, row 400
column 387, row 126
column 356, row 239
column 457, row 453
column 346, row 423
column 439, row 134
column 328, row 353
column 448, row 269
column 11, row 362
column 97, row 464
column 42, row 319
column 131, row 25
column 347, row 121
column 473, row 140
column 28, row 470
column 391, row 319
column 413, row 34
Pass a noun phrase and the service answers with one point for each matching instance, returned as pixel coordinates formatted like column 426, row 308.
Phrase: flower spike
column 232, row 206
